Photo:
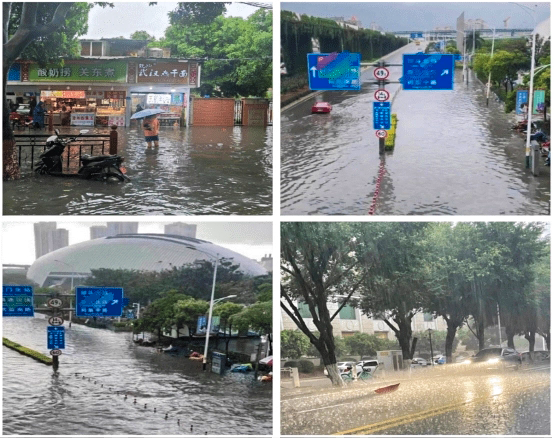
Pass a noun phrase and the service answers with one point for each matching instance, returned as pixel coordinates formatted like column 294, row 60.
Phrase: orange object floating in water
column 386, row 389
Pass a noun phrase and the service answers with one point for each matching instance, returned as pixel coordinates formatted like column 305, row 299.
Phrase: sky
column 251, row 239
column 127, row 17
column 424, row 15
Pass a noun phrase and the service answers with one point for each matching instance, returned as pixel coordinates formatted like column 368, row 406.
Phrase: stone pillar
column 113, row 140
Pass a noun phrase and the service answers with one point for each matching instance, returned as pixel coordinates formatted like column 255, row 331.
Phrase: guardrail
column 29, row 147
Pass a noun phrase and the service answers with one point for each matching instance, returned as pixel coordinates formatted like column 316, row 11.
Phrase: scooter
column 97, row 168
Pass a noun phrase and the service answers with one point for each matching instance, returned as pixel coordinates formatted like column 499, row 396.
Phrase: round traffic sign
column 381, row 95
column 55, row 352
column 55, row 320
column 381, row 133
column 381, row 73
column 54, row 302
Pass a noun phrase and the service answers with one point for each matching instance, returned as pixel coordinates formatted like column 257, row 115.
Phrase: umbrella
column 147, row 112
column 267, row 360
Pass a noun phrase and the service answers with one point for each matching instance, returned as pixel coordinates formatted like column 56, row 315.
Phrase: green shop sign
column 108, row 71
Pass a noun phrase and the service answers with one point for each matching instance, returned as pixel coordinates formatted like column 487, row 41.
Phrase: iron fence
column 29, row 147
column 238, row 112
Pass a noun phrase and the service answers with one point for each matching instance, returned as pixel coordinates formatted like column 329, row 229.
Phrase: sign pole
column 381, row 146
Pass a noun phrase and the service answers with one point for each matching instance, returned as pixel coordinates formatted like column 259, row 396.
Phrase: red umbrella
column 386, row 389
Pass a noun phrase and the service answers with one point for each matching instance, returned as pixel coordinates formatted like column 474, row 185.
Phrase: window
column 347, row 312
column 304, row 310
column 427, row 317
column 97, row 48
column 85, row 48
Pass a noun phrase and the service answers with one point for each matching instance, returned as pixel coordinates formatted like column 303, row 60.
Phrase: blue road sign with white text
column 98, row 301
column 428, row 72
column 381, row 115
column 416, row 35
column 334, row 71
column 56, row 337
column 17, row 301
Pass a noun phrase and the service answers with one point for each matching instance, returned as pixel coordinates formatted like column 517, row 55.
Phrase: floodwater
column 453, row 155
column 72, row 401
column 197, row 170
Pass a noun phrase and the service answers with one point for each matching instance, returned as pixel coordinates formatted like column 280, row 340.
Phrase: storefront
column 100, row 92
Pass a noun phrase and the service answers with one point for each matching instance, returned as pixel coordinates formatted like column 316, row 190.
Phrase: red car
column 321, row 107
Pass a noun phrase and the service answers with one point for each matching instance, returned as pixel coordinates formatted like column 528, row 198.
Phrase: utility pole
column 431, row 344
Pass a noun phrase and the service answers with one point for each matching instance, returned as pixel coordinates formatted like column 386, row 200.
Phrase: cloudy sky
column 251, row 239
column 424, row 15
column 127, row 17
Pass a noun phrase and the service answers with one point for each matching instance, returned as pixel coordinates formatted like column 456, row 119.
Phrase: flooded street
column 37, row 400
column 197, row 170
column 453, row 155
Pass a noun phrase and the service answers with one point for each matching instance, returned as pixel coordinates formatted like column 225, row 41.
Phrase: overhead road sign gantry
column 17, row 301
column 334, row 71
column 428, row 72
column 98, row 301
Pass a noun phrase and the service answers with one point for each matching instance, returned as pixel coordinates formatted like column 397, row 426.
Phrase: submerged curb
column 27, row 351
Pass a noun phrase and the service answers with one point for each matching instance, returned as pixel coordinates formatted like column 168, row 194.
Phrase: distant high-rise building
column 267, row 262
column 181, row 229
column 115, row 228
column 48, row 238
column 98, row 231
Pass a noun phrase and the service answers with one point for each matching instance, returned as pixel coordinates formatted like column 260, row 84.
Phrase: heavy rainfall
column 447, row 152
column 415, row 328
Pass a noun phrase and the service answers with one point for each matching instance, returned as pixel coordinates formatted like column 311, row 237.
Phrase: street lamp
column 490, row 71
column 431, row 344
column 464, row 69
column 71, row 298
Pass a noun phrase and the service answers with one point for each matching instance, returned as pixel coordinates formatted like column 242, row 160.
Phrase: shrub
column 306, row 366
column 291, row 364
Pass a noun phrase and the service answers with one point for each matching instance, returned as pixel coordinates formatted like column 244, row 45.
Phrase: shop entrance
column 173, row 103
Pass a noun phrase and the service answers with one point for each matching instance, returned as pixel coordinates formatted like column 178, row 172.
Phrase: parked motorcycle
column 97, row 168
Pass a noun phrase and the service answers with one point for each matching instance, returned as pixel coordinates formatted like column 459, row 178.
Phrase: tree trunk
column 270, row 341
column 450, row 335
column 530, row 336
column 546, row 337
column 329, row 360
column 480, row 328
column 510, row 333
column 10, row 168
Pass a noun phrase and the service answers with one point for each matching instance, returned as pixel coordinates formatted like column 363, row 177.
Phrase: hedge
column 47, row 360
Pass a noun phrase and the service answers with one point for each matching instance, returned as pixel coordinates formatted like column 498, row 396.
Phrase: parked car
column 539, row 356
column 504, row 356
column 439, row 359
column 418, row 361
column 368, row 365
column 321, row 107
column 342, row 366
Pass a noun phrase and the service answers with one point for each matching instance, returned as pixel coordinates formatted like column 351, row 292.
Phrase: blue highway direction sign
column 98, row 301
column 381, row 115
column 428, row 72
column 416, row 35
column 17, row 301
column 56, row 337
column 334, row 71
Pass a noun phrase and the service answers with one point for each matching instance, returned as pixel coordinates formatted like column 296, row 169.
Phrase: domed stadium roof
column 142, row 252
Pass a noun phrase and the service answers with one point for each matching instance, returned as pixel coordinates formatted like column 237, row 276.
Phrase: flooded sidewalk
column 197, row 170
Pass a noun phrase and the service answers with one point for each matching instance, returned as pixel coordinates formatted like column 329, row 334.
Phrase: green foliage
column 265, row 292
column 306, row 366
column 294, row 344
column 290, row 364
column 239, row 52
column 47, row 360
column 363, row 344
column 439, row 342
column 257, row 317
column 142, row 35
column 186, row 312
column 189, row 13
column 161, row 314
column 225, row 311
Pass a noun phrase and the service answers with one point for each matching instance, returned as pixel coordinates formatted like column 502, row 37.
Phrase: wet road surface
column 197, row 170
column 453, row 155
column 37, row 400
column 448, row 403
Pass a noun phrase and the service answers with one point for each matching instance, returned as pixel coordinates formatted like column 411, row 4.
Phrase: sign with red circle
column 381, row 95
column 381, row 133
column 381, row 73
column 56, row 352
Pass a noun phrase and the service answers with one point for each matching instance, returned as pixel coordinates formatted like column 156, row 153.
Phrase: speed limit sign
column 54, row 302
column 55, row 352
column 55, row 320
column 381, row 95
column 381, row 73
column 381, row 133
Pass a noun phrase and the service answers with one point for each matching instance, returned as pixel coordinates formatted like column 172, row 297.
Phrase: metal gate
column 238, row 112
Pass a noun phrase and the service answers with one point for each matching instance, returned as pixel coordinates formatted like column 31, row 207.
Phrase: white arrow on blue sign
column 381, row 115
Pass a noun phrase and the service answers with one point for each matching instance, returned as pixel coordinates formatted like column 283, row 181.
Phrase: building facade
column 115, row 228
column 181, row 229
column 49, row 238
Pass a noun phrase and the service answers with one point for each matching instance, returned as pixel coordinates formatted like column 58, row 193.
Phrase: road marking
column 410, row 418
column 324, row 407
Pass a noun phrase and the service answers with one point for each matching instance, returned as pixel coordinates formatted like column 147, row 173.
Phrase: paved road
column 453, row 402
column 454, row 155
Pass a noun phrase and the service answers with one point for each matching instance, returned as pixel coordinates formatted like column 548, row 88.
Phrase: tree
column 257, row 317
column 142, row 35
column 439, row 339
column 225, row 311
column 363, row 344
column 160, row 315
column 294, row 344
column 40, row 32
column 188, row 13
column 318, row 265
column 478, row 41
column 186, row 312
column 393, row 259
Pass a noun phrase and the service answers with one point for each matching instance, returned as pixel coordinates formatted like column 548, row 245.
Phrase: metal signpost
column 428, row 72
column 334, row 71
column 99, row 301
column 17, row 301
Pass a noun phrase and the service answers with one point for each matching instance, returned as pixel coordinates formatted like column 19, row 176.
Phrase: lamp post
column 71, row 298
column 490, row 71
column 431, row 344
column 464, row 69
column 209, row 326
